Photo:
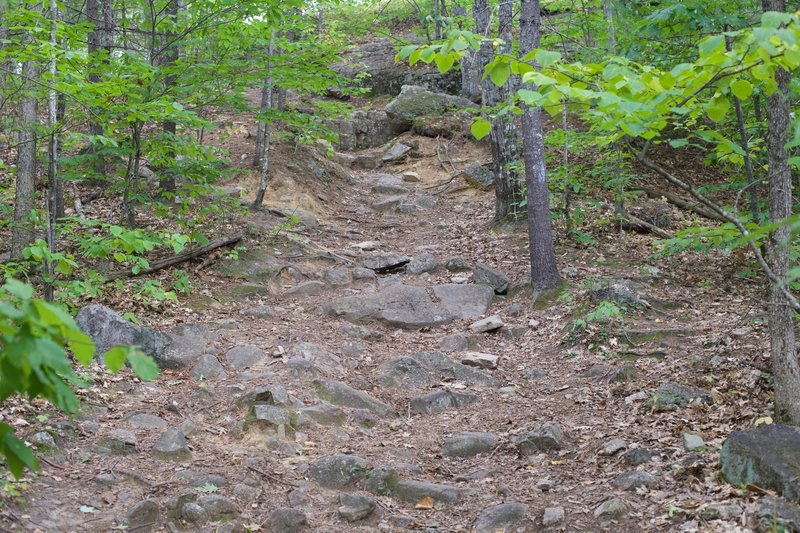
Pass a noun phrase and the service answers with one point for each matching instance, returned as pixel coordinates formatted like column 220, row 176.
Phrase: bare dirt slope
column 274, row 439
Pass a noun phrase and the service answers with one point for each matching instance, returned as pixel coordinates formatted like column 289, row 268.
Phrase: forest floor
column 684, row 358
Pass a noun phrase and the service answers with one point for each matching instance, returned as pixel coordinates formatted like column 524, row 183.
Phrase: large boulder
column 415, row 101
column 109, row 329
column 766, row 456
column 364, row 129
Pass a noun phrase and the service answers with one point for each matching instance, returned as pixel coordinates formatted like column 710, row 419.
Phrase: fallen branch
column 182, row 257
column 636, row 221
column 683, row 203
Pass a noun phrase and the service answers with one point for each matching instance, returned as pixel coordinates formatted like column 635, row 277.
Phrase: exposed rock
column 316, row 355
column 595, row 371
column 776, row 514
column 623, row 374
column 721, row 511
column 301, row 216
column 385, row 261
column 387, row 184
column 479, row 176
column 469, row 443
column 193, row 513
column 437, row 401
column 187, row 342
column 361, row 332
column 405, row 372
column 545, row 438
column 456, row 264
column 766, row 456
column 338, row 277
column 396, row 153
column 144, row 516
column 355, row 507
column 486, row 275
column 553, row 516
column 364, row 129
column 422, row 263
column 172, row 446
column 307, row 288
column 671, row 396
column 501, row 517
column 445, row 126
column 487, row 324
column 108, row 329
column 388, row 204
column 208, row 367
column 465, row 301
column 457, row 342
column 366, row 161
column 268, row 394
column 343, row 395
column 218, row 507
column 43, row 441
column 415, row 101
column 613, row 446
column 353, row 349
column 639, row 456
column 451, row 370
column 413, row 491
column 244, row 356
column 145, row 421
column 634, row 480
column 120, row 441
column 338, row 471
column 610, row 509
column 411, row 177
column 692, row 442
column 480, row 360
column 323, row 413
column 271, row 417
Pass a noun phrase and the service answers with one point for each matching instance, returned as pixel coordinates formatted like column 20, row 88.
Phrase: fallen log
column 182, row 257
column 682, row 202
column 636, row 221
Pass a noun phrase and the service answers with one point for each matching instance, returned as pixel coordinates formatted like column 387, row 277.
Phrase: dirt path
column 294, row 416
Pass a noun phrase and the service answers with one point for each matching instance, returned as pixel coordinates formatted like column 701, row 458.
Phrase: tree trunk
column 52, row 157
column 437, row 17
column 470, row 75
column 166, row 180
column 4, row 67
column 266, row 105
column 22, row 233
column 608, row 13
column 783, row 349
column 544, row 271
column 100, row 14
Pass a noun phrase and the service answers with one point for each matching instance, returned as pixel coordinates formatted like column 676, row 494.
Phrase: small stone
column 639, row 456
column 610, row 509
column 411, row 490
column 500, row 517
column 361, row 332
column 692, row 442
column 146, row 421
column 480, row 360
column 553, row 516
column 545, row 438
column 388, row 204
column 120, row 441
column 479, row 177
column 323, row 414
column 613, row 446
column 396, row 153
column 339, row 277
column 343, row 395
column 286, row 520
column 172, row 446
column 721, row 511
column 457, row 342
column 259, row 311
column 355, row 507
column 144, row 516
column 410, row 177
column 383, row 262
column 244, row 356
column 218, row 507
column 194, row 513
column 487, row 324
column 634, row 480
column 208, row 367
column 456, row 264
column 469, row 444
column 43, row 441
column 595, row 371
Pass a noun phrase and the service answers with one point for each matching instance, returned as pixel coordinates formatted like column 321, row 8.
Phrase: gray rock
column 355, row 507
column 286, row 520
column 218, row 507
column 438, row 401
column 692, row 442
column 545, row 438
column 187, row 342
column 271, row 416
column 208, row 367
column 425, row 201
column 339, row 470
column 43, row 441
column 259, row 311
column 193, row 514
column 365, row 419
column 144, row 516
column 613, row 446
column 721, row 511
column 553, row 516
column 268, row 394
column 244, row 356
column 343, row 395
column 487, row 324
column 413, row 491
column 323, row 414
column 479, row 177
column 388, row 204
column 776, row 514
column 353, row 349
column 480, row 360
column 620, row 291
column 610, row 509
column 245, row 493
column 671, row 396
column 639, row 456
column 303, row 217
column 465, row 301
column 405, row 372
column 145, row 421
column 396, row 153
column 385, row 261
column 765, row 456
column 386, row 184
column 486, row 275
column 634, row 480
column 361, row 332
column 623, row 374
column 411, row 177
column 415, row 101
column 318, row 356
column 457, row 342
column 172, row 446
column 501, row 517
column 364, row 129
column 407, row 208
column 469, row 443
column 339, row 277
column 367, row 161
column 120, row 441
column 456, row 264
column 108, row 329
column 595, row 371
column 422, row 263
column 307, row 288
column 448, row 369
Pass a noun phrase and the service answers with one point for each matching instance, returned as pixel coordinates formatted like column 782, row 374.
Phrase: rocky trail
column 383, row 367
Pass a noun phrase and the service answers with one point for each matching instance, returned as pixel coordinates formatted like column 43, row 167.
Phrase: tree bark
column 544, row 270
column 470, row 75
column 52, row 157
column 266, row 105
column 166, row 180
column 783, row 349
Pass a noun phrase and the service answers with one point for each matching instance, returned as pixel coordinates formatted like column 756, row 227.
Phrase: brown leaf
column 425, row 503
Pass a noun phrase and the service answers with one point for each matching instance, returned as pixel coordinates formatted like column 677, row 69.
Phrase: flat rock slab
column 500, row 517
column 339, row 470
column 486, row 325
column 397, row 305
column 469, row 444
column 405, row 372
column 343, row 395
column 544, row 438
column 385, row 261
column 465, row 301
column 766, row 456
column 355, row 506
column 307, row 288
column 410, row 490
column 244, row 356
column 440, row 400
column 486, row 275
column 387, row 184
column 480, row 360
column 448, row 369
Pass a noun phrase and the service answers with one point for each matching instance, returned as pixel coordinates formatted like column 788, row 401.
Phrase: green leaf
column 500, row 73
column 115, row 357
column 480, row 128
column 710, row 44
column 545, row 58
column 774, row 19
column 742, row 89
column 143, row 365
column 678, row 143
column 718, row 108
column 444, row 62
column 18, row 289
column 406, row 51
column 16, row 453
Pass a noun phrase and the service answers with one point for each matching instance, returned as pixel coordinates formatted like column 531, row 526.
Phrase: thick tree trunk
column 783, row 349
column 166, row 180
column 470, row 75
column 100, row 14
column 22, row 233
column 544, row 271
